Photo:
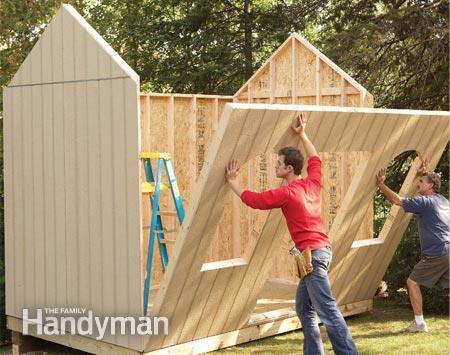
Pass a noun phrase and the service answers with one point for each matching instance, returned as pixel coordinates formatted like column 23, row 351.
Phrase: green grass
column 375, row 332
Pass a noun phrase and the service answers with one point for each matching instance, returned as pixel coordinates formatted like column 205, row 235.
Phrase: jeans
column 314, row 295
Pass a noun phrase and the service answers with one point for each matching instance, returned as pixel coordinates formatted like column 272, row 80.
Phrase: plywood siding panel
column 76, row 235
column 343, row 230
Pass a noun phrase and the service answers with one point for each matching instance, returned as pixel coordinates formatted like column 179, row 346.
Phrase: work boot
column 415, row 328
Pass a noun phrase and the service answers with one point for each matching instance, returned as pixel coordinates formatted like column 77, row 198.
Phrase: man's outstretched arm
column 274, row 198
column 390, row 195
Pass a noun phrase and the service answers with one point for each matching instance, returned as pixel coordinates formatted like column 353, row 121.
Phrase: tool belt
column 303, row 260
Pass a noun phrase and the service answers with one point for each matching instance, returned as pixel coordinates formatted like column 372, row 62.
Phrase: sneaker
column 415, row 328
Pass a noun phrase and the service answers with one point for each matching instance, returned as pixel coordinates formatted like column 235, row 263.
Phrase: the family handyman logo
column 80, row 321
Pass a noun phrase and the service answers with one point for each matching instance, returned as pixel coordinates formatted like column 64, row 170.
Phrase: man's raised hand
column 381, row 176
column 232, row 169
column 299, row 125
column 423, row 168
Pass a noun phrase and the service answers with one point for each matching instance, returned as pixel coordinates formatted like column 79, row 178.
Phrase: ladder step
column 149, row 187
column 152, row 155
column 161, row 231
column 164, row 231
column 167, row 241
column 168, row 213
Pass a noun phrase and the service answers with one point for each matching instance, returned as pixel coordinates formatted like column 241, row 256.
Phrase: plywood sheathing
column 297, row 72
column 201, row 300
column 182, row 125
column 72, row 198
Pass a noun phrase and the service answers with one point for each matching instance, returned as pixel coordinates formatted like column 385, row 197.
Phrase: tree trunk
column 248, row 43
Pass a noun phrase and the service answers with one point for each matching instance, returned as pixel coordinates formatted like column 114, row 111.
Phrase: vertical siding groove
column 88, row 168
column 99, row 187
column 76, row 176
column 43, row 176
column 113, row 182
column 63, row 119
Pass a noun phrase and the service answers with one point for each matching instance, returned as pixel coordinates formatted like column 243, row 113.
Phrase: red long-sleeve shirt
column 300, row 202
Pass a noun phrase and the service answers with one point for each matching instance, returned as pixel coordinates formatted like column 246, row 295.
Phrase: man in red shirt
column 300, row 203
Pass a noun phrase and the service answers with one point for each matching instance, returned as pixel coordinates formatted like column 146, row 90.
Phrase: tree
column 397, row 48
column 198, row 46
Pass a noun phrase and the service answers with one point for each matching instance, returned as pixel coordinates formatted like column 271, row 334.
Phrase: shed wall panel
column 73, row 229
column 180, row 291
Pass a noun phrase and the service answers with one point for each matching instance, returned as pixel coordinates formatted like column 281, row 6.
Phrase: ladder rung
column 166, row 231
column 168, row 213
column 149, row 187
column 153, row 155
column 167, row 241
column 161, row 231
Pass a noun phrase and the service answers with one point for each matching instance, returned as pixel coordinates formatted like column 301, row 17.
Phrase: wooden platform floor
column 274, row 314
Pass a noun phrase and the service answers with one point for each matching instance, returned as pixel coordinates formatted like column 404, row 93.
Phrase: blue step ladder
column 153, row 187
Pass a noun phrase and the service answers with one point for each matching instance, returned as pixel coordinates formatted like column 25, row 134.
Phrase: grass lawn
column 375, row 332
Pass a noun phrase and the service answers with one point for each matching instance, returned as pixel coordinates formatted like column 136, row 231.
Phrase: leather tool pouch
column 304, row 263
